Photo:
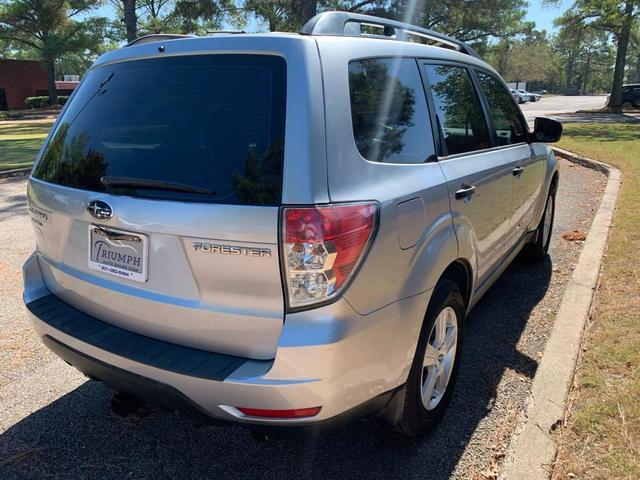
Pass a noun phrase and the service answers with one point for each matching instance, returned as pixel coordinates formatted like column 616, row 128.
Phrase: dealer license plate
column 118, row 253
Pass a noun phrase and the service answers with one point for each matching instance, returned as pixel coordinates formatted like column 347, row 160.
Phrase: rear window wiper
column 118, row 181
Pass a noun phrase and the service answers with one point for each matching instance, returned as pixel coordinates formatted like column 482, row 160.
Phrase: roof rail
column 348, row 24
column 156, row 37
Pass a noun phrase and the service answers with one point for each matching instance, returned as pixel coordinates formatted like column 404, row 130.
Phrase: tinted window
column 458, row 109
column 214, row 122
column 505, row 115
column 389, row 111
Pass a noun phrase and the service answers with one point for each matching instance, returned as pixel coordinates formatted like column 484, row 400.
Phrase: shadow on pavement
column 604, row 117
column 18, row 206
column 76, row 436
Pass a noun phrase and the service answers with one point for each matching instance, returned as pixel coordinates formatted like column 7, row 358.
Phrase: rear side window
column 505, row 115
column 204, row 128
column 389, row 111
column 458, row 109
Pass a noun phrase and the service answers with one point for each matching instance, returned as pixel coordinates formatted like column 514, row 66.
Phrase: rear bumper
column 332, row 357
column 164, row 396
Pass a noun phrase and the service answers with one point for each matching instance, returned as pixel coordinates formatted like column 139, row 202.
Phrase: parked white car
column 519, row 97
column 532, row 97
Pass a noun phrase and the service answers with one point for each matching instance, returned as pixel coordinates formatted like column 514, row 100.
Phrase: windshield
column 202, row 128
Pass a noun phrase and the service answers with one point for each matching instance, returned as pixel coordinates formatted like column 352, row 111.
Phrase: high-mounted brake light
column 322, row 248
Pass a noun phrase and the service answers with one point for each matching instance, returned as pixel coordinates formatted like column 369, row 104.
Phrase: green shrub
column 43, row 101
column 36, row 102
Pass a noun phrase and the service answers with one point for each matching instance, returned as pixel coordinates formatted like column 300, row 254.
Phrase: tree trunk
column 573, row 55
column 615, row 101
column 51, row 82
column 570, row 64
column 130, row 19
column 504, row 59
column 586, row 73
column 308, row 10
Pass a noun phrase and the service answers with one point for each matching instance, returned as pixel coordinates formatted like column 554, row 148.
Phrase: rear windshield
column 205, row 128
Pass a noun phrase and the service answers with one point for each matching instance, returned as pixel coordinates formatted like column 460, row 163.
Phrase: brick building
column 20, row 79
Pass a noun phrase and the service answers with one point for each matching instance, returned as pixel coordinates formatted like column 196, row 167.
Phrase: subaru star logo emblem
column 100, row 210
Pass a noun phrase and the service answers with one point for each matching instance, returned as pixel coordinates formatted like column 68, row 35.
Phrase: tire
column 446, row 308
column 520, row 102
column 538, row 248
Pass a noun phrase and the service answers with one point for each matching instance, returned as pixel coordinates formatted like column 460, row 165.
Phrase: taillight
column 322, row 248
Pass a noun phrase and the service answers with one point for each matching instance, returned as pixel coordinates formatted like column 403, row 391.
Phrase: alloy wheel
column 439, row 358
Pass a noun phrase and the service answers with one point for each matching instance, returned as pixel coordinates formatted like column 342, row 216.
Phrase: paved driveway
column 56, row 424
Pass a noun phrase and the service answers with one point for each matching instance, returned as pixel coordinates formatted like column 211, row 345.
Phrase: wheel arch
column 550, row 188
column 550, row 182
column 555, row 179
column 459, row 271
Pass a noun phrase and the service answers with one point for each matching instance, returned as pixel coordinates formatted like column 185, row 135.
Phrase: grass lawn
column 602, row 436
column 20, row 142
column 30, row 114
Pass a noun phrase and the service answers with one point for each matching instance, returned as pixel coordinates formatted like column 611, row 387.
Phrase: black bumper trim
column 146, row 350
column 149, row 391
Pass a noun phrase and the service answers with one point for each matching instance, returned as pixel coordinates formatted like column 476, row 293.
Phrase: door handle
column 466, row 191
column 517, row 171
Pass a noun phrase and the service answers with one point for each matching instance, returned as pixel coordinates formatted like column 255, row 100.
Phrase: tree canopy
column 591, row 37
column 617, row 18
column 49, row 28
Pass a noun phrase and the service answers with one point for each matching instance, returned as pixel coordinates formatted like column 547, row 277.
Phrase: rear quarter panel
column 389, row 272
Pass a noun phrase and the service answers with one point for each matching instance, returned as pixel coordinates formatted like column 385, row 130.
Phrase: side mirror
column 546, row 130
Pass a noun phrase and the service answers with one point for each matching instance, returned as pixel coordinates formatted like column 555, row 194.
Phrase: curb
column 533, row 450
column 18, row 172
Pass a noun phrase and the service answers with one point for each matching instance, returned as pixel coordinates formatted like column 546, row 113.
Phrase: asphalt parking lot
column 561, row 104
column 55, row 424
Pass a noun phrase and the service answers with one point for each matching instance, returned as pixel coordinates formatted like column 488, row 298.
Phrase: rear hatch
column 160, row 189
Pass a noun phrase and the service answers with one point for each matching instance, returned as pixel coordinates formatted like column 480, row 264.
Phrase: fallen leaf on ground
column 555, row 425
column 574, row 236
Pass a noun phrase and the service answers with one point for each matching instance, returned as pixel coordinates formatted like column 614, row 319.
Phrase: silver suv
column 283, row 230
